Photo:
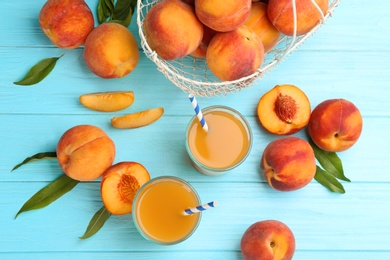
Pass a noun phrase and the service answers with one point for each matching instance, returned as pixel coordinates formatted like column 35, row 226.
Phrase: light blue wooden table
column 347, row 58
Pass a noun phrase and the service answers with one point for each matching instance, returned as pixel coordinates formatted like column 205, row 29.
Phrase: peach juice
column 158, row 210
column 224, row 146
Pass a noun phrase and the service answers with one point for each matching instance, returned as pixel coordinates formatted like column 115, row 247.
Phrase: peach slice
column 108, row 101
column 138, row 119
column 119, row 185
column 284, row 110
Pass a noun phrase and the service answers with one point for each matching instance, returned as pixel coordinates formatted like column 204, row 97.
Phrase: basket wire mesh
column 192, row 75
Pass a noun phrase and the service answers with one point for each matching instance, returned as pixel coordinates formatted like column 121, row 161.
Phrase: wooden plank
column 313, row 72
column 230, row 255
column 23, row 136
column 320, row 220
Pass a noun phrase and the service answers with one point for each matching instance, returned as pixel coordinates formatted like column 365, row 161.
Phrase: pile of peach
column 86, row 153
column 232, row 35
column 289, row 163
column 110, row 49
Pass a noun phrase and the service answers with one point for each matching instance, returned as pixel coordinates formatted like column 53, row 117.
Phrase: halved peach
column 138, row 119
column 119, row 185
column 108, row 101
column 284, row 110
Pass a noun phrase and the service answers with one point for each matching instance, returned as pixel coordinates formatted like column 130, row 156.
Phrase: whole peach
column 84, row 152
column 223, row 15
column 111, row 51
column 67, row 23
column 259, row 22
column 280, row 12
column 288, row 163
column 235, row 54
column 120, row 183
column 335, row 125
column 172, row 29
column 208, row 35
column 268, row 240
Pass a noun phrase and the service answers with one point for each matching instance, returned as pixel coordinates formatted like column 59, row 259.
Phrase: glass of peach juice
column 224, row 146
column 158, row 210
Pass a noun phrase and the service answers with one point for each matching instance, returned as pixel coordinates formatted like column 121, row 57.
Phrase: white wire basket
column 192, row 75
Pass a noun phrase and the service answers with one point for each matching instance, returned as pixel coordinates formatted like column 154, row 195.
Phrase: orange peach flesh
column 283, row 110
column 119, row 185
column 288, row 163
column 335, row 125
column 67, row 23
column 108, row 101
column 84, row 152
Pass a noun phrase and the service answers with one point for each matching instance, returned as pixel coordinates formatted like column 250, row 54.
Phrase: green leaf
column 49, row 194
column 329, row 161
column 38, row 72
column 327, row 180
column 36, row 157
column 105, row 10
column 96, row 222
column 119, row 12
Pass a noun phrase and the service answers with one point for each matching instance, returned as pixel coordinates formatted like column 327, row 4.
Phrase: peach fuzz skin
column 280, row 13
column 66, row 23
column 259, row 22
column 288, row 163
column 223, row 15
column 111, row 51
column 120, row 183
column 335, row 125
column 84, row 152
column 268, row 240
column 172, row 29
column 235, row 54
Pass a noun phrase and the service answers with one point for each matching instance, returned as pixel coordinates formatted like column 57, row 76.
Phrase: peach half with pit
column 288, row 163
column 335, row 125
column 280, row 12
column 66, row 23
column 223, row 15
column 120, row 183
column 268, row 240
column 84, row 152
column 259, row 22
column 284, row 110
column 111, row 51
column 172, row 29
column 235, row 54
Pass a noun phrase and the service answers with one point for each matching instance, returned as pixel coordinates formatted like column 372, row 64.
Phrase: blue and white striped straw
column 198, row 112
column 200, row 208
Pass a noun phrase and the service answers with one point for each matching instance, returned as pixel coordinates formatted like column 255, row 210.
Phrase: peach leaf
column 96, row 222
column 49, row 194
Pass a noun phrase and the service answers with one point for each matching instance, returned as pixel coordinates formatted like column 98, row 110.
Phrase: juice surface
column 224, row 145
column 160, row 211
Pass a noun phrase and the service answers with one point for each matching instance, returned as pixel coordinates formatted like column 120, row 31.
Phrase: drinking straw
column 198, row 112
column 200, row 208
